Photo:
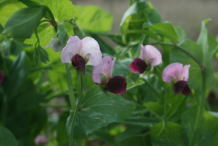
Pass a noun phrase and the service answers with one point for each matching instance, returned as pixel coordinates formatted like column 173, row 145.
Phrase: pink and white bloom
column 149, row 56
column 81, row 52
column 2, row 76
column 102, row 74
column 177, row 75
column 41, row 140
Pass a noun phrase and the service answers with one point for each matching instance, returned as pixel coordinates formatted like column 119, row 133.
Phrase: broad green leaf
column 97, row 110
column 7, row 138
column 180, row 33
column 166, row 30
column 212, row 123
column 155, row 108
column 154, row 16
column 22, row 20
column 195, row 77
column 92, row 18
column 121, row 67
column 146, row 32
column 197, row 135
column 104, row 136
column 8, row 8
column 169, row 134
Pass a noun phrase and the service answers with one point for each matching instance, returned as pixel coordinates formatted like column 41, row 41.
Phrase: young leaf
column 7, row 138
column 22, row 23
column 62, row 33
column 43, row 55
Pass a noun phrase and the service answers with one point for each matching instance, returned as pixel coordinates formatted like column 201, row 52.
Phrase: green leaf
column 7, row 138
column 215, row 114
column 195, row 80
column 78, row 31
column 22, row 20
column 104, row 136
column 155, row 108
column 212, row 123
column 198, row 135
column 97, row 110
column 180, row 33
column 166, row 30
column 167, row 135
column 8, row 8
column 43, row 55
column 1, row 28
column 59, row 68
column 138, row 50
column 92, row 18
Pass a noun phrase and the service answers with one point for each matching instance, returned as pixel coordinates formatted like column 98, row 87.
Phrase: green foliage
column 97, row 110
column 7, row 138
column 98, row 19
column 22, row 20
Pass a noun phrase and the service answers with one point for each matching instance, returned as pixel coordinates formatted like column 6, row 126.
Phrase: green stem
column 80, row 94
column 52, row 18
column 70, row 87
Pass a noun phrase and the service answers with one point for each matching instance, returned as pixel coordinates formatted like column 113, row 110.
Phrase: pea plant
column 151, row 89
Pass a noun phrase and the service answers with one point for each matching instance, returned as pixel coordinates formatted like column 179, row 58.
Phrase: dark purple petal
column 186, row 91
column 2, row 76
column 78, row 62
column 179, row 86
column 117, row 85
column 182, row 86
column 138, row 66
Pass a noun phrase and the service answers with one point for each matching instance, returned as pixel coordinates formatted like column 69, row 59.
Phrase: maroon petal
column 179, row 86
column 138, row 66
column 78, row 62
column 2, row 76
column 186, row 91
column 117, row 85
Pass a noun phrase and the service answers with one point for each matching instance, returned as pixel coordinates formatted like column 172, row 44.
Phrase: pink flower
column 150, row 56
column 41, row 140
column 177, row 75
column 2, row 76
column 102, row 74
column 81, row 52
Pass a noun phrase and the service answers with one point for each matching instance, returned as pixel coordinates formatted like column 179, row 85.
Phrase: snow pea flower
column 41, row 140
column 81, row 52
column 177, row 75
column 2, row 76
column 149, row 56
column 102, row 74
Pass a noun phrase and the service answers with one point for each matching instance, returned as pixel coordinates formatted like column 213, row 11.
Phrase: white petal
column 73, row 46
column 173, row 70
column 185, row 72
column 90, row 46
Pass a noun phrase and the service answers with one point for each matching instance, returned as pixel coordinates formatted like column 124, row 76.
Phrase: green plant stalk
column 80, row 94
column 70, row 87
column 201, row 100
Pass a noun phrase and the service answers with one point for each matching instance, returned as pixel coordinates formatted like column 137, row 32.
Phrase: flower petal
column 90, row 45
column 173, row 70
column 180, row 86
column 151, row 54
column 185, row 72
column 2, row 76
column 117, row 85
column 73, row 47
column 105, row 67
column 138, row 66
column 186, row 91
